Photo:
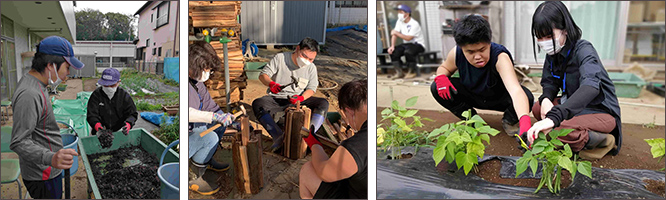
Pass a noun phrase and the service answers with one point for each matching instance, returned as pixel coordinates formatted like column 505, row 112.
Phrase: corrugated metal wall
column 283, row 23
column 88, row 70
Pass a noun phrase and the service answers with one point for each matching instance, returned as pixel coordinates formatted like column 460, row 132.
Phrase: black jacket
column 112, row 113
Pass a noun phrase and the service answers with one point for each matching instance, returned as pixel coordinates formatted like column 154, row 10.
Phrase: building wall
column 346, row 15
column 160, row 37
column 20, row 46
column 434, row 26
column 105, row 49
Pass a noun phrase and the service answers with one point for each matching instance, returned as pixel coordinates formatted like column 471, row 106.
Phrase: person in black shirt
column 588, row 103
column 111, row 107
column 487, row 78
column 345, row 174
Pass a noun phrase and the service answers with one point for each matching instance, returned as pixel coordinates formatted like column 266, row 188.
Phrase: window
column 163, row 14
column 363, row 4
column 159, row 51
column 7, row 27
column 154, row 50
column 148, row 42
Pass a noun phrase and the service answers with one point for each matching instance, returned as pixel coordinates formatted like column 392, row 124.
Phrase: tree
column 95, row 25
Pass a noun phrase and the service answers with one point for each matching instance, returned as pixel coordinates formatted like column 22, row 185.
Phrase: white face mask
column 547, row 45
column 401, row 17
column 204, row 76
column 58, row 80
column 302, row 62
column 109, row 91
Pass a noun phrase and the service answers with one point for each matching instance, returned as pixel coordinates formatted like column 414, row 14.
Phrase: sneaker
column 510, row 129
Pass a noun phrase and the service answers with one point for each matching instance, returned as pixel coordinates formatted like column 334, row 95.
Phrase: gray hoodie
column 35, row 134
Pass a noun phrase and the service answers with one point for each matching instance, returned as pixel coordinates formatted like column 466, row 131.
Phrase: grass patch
column 135, row 80
column 145, row 106
column 168, row 133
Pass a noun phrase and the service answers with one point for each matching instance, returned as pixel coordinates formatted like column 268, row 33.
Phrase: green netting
column 73, row 112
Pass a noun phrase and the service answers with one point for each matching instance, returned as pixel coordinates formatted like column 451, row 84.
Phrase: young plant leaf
column 461, row 158
column 521, row 165
column 470, row 161
column 411, row 101
column 556, row 142
column 485, row 137
column 487, row 129
column 410, row 113
column 567, row 151
column 395, row 105
column 585, row 168
column 438, row 154
column 534, row 165
column 380, row 136
column 565, row 162
column 387, row 111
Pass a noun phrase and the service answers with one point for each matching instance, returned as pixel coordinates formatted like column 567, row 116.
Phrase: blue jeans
column 201, row 149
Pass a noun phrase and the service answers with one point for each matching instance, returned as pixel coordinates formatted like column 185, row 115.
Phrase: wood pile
column 222, row 14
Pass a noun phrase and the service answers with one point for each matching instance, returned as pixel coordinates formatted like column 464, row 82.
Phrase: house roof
column 143, row 7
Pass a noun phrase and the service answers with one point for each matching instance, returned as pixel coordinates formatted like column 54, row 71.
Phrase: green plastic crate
column 627, row 84
column 136, row 137
column 253, row 69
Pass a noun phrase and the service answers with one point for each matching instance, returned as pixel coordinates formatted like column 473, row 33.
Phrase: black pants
column 272, row 105
column 409, row 50
column 466, row 100
column 48, row 189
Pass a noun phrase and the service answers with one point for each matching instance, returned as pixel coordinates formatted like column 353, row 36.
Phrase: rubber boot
column 411, row 71
column 316, row 121
column 605, row 143
column 205, row 183
column 397, row 66
column 216, row 166
column 276, row 133
column 509, row 128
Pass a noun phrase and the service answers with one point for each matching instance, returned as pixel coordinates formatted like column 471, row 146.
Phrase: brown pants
column 599, row 122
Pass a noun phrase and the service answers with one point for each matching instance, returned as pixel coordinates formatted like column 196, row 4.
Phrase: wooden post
column 248, row 164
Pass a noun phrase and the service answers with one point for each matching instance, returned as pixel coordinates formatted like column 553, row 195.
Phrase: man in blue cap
column 409, row 31
column 111, row 107
column 35, row 134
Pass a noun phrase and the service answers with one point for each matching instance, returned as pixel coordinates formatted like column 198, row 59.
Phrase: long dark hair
column 553, row 14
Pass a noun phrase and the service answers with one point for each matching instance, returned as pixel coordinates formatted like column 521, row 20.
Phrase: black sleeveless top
column 485, row 81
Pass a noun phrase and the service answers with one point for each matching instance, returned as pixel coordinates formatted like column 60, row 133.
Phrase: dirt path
column 635, row 153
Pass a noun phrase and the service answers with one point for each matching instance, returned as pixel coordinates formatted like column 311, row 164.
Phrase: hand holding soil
column 105, row 138
column 63, row 159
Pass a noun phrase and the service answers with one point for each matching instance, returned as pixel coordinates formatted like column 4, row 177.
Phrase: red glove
column 98, row 126
column 296, row 98
column 311, row 139
column 275, row 87
column 126, row 128
column 525, row 123
column 443, row 86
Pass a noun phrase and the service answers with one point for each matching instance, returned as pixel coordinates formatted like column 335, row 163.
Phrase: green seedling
column 462, row 141
column 554, row 156
column 657, row 149
column 398, row 133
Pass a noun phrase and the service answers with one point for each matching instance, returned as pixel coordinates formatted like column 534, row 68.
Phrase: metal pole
column 67, row 185
column 226, row 74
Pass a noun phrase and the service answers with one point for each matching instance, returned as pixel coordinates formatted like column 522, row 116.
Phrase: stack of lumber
column 222, row 14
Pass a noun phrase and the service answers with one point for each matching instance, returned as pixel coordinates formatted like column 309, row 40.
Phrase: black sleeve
column 92, row 116
column 551, row 85
column 130, row 110
column 574, row 105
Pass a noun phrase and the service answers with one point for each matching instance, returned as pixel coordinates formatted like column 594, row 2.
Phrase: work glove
column 311, row 139
column 275, row 87
column 296, row 98
column 525, row 124
column 126, row 128
column 444, row 86
column 225, row 118
column 98, row 127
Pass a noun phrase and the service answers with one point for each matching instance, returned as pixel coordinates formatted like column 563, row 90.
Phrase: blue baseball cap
column 403, row 7
column 58, row 46
column 110, row 76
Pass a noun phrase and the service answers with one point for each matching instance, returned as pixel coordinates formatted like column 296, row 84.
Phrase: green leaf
column 486, row 138
column 556, row 142
column 537, row 149
column 487, row 129
column 427, row 119
column 410, row 113
column 585, row 168
column 395, row 105
column 469, row 162
column 435, row 132
column 402, row 124
column 475, row 148
column 521, row 165
column 438, row 154
column 461, row 158
column 534, row 165
column 466, row 114
column 411, row 101
column 380, row 135
column 564, row 132
column 477, row 118
column 567, row 151
column 565, row 163
column 387, row 111
column 657, row 145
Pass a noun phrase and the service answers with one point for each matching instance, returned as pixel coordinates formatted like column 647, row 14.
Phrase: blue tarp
column 171, row 68
column 355, row 27
column 156, row 118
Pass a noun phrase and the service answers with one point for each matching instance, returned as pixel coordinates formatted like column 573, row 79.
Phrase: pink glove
column 126, row 128
column 98, row 126
column 296, row 98
column 311, row 140
column 443, row 86
column 275, row 87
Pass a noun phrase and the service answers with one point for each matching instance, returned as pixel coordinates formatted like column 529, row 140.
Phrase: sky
column 125, row 7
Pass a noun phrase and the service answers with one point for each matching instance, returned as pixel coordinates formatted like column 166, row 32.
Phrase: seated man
column 345, row 174
column 409, row 30
column 111, row 107
column 291, row 77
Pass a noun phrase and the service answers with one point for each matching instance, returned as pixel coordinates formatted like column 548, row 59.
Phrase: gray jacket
column 35, row 134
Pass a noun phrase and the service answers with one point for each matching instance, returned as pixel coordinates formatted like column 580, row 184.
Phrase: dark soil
column 126, row 173
column 657, row 187
column 635, row 153
column 105, row 138
column 490, row 171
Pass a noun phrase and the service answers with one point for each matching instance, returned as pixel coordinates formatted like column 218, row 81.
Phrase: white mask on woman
column 109, row 91
column 547, row 45
column 204, row 76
